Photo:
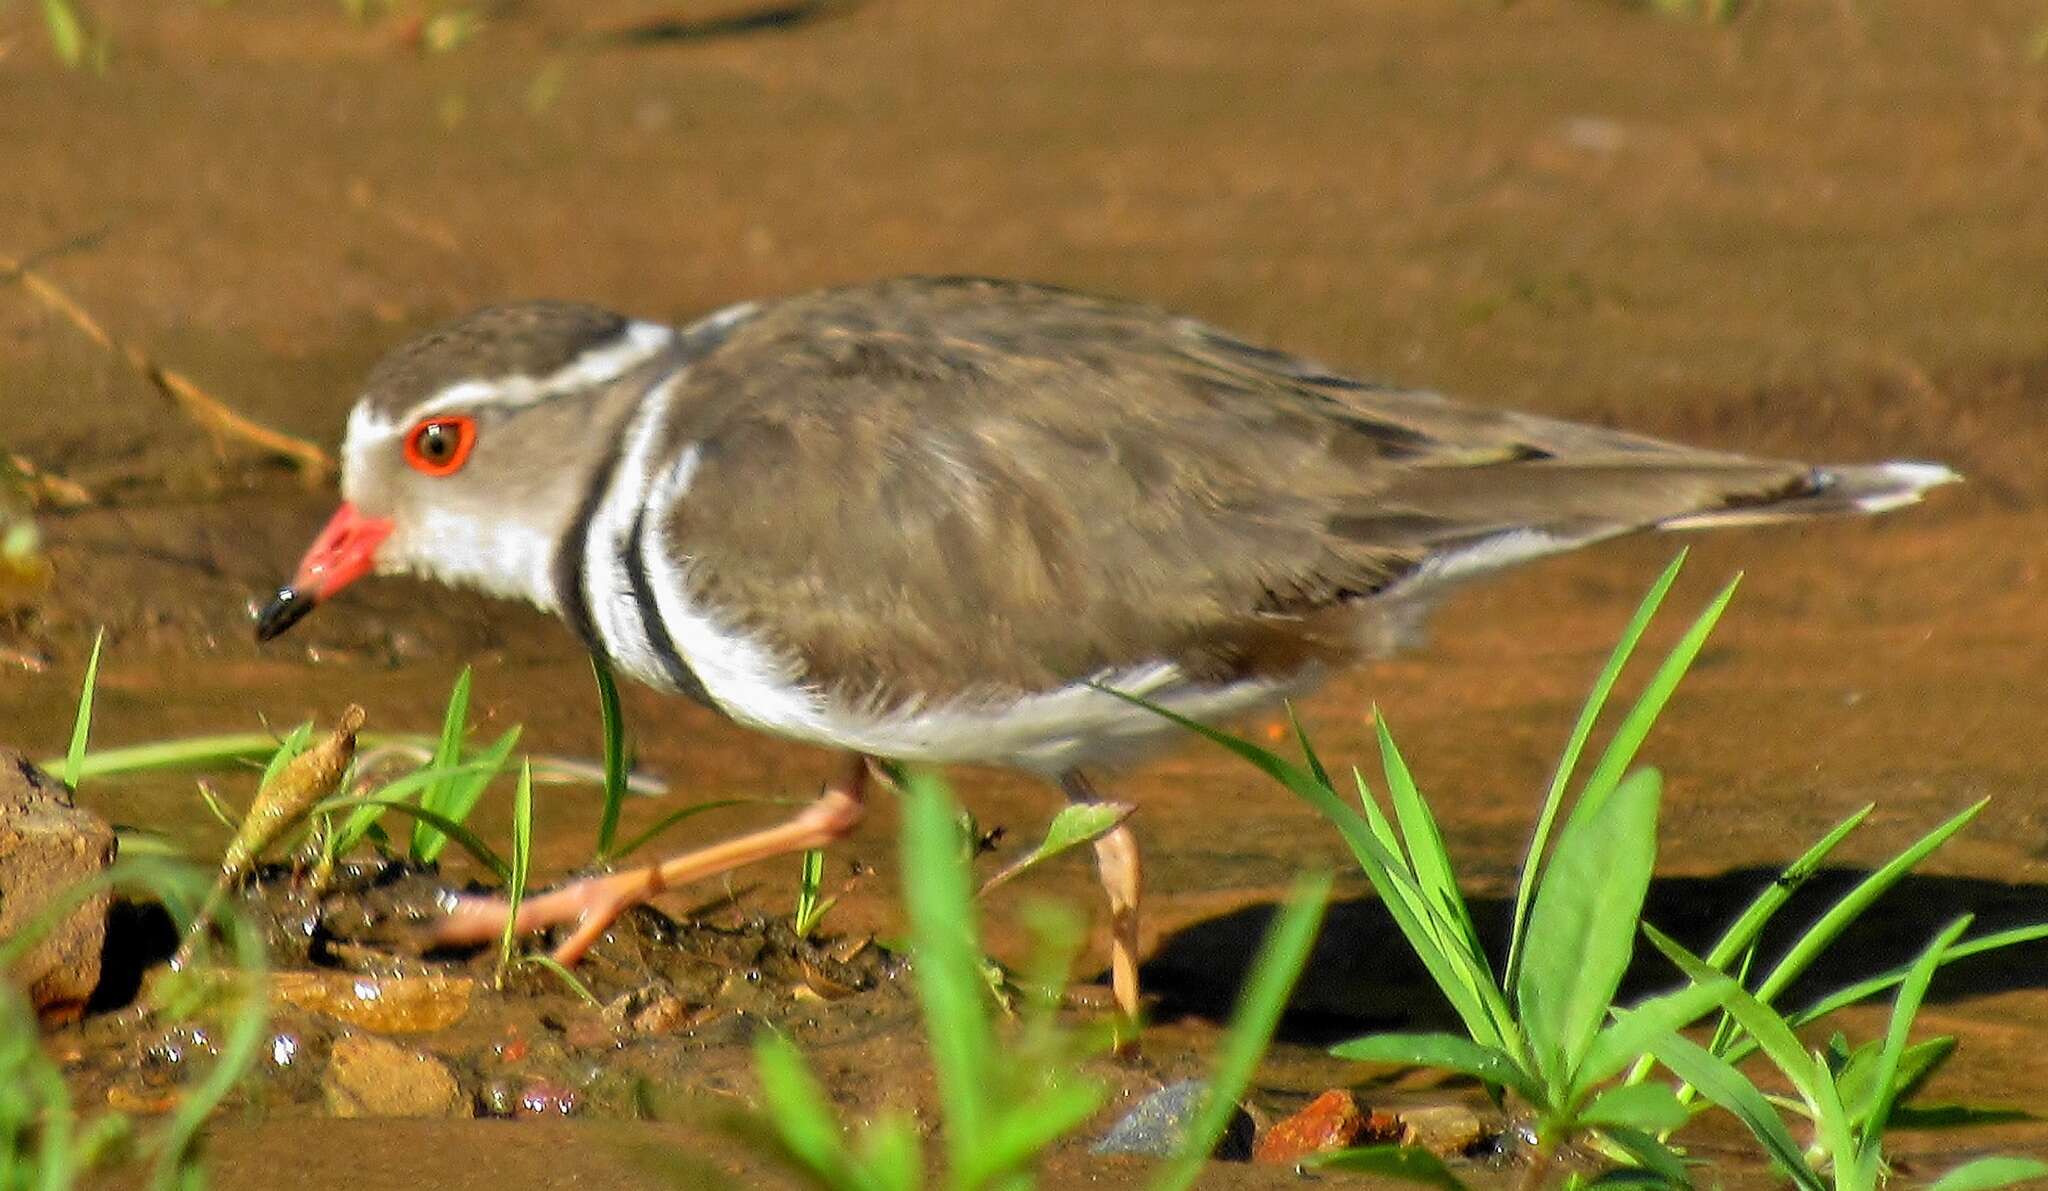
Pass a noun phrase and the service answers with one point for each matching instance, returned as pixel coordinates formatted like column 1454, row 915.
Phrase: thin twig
column 42, row 256
column 47, row 489
column 212, row 415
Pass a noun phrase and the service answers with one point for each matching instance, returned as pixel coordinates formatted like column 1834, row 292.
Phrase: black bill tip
column 285, row 609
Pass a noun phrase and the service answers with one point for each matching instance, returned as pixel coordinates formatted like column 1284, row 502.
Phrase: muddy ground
column 1820, row 230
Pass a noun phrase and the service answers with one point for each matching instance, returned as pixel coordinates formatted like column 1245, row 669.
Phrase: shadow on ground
column 1362, row 974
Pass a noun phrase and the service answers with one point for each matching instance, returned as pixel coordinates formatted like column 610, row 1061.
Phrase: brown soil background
column 1821, row 230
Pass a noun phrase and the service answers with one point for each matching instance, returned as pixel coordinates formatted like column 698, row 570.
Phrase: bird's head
column 469, row 451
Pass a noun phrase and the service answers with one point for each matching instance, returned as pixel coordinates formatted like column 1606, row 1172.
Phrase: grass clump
column 1847, row 1096
column 1543, row 1031
column 1005, row 1097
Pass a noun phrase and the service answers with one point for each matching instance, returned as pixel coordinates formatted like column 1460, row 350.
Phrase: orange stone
column 1331, row 1121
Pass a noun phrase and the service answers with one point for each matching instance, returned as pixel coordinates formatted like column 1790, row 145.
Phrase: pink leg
column 1116, row 857
column 1117, row 862
column 594, row 903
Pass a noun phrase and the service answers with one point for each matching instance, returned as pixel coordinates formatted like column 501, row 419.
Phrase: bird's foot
column 590, row 906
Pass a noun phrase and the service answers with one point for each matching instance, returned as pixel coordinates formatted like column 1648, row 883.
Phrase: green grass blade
column 242, row 1015
column 1852, row 904
column 1582, row 927
column 364, row 816
column 1953, row 1115
column 947, row 965
column 1656, row 1163
column 1635, row 726
column 81, row 726
column 1905, row 1007
column 1864, row 989
column 1469, row 988
column 1764, row 1024
column 66, row 31
column 1432, row 935
column 460, row 793
column 1834, row 1133
column 1296, row 778
column 1626, row 1039
column 1428, row 857
column 1650, row 1107
column 1308, row 749
column 889, row 1153
column 1738, row 942
column 1744, row 930
column 1857, row 1077
column 1076, row 824
column 1281, row 956
column 551, row 965
column 798, row 1111
column 204, row 752
column 1376, row 819
column 1019, row 1135
column 197, row 752
column 521, row 866
column 470, row 841
column 447, row 752
column 1997, row 1170
column 1721, row 1083
column 1560, row 779
column 809, row 886
column 671, row 819
column 1447, row 1052
column 614, row 721
column 1442, row 936
column 1388, row 873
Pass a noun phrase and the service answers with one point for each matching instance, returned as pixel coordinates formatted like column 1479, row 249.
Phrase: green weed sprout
column 1737, row 946
column 1003, row 1103
column 521, row 868
column 811, row 902
column 1076, row 824
column 438, row 797
column 516, row 876
column 1548, row 1032
column 1542, row 1033
column 1847, row 1095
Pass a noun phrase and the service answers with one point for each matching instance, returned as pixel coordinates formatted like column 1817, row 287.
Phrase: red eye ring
column 440, row 446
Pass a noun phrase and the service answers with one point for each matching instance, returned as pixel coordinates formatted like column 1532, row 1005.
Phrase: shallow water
column 1820, row 231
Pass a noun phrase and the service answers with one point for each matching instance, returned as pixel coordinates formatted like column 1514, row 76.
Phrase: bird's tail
column 1827, row 491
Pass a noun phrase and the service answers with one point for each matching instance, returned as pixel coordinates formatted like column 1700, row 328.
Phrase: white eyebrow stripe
column 632, row 347
column 725, row 318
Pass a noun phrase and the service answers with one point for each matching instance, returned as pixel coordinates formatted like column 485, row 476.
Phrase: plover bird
column 928, row 519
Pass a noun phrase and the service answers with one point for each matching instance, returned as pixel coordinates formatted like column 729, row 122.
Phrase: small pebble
column 1155, row 1126
column 1447, row 1130
column 1331, row 1121
column 368, row 1076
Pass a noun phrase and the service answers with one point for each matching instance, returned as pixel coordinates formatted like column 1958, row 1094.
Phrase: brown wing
column 945, row 484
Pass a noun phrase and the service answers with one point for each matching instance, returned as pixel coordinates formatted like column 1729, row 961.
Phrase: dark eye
column 440, row 446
